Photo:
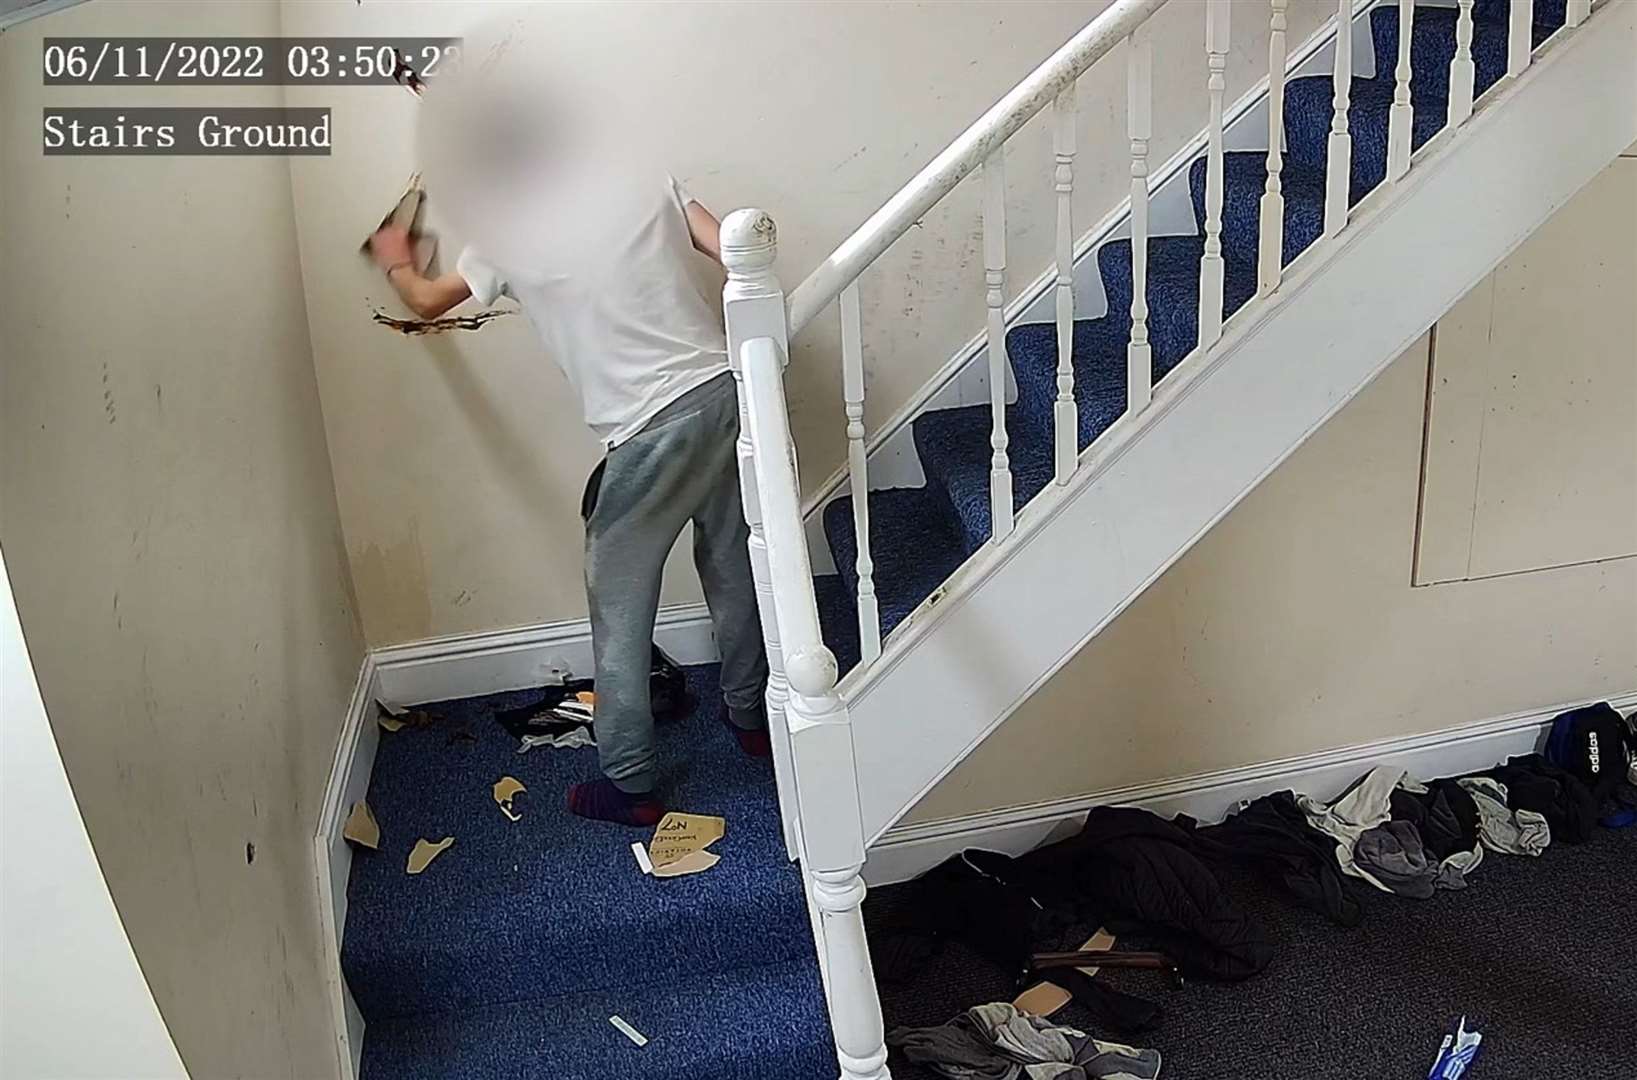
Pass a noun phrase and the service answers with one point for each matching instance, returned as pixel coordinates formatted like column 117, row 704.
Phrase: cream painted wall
column 170, row 528
column 1498, row 415
column 1293, row 627
column 459, row 460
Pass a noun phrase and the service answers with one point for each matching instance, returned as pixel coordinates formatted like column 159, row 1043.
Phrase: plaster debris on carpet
column 361, row 827
column 425, row 851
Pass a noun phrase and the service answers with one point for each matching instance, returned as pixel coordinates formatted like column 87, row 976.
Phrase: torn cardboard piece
column 506, row 790
column 680, row 841
column 424, row 852
column 1045, row 998
column 361, row 827
column 1041, row 999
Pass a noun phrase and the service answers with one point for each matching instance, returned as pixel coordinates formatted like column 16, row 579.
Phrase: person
column 614, row 305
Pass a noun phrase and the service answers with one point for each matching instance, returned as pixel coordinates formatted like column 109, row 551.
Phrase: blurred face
column 521, row 148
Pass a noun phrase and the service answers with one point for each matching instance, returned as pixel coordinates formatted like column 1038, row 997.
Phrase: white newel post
column 753, row 306
column 825, row 778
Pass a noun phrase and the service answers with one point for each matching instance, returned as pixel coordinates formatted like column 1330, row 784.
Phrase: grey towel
column 1393, row 855
column 1523, row 832
column 996, row 1042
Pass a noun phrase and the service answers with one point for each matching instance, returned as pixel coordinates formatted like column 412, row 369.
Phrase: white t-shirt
column 616, row 308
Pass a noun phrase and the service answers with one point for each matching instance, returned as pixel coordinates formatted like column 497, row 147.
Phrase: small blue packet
column 1456, row 1053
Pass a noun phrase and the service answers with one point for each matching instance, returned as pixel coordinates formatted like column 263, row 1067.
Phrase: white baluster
column 852, row 377
column 994, row 276
column 1271, row 243
column 1520, row 41
column 1401, row 118
column 753, row 305
column 1212, row 270
column 1065, row 415
column 1463, row 73
column 820, row 733
column 1339, row 159
column 1139, row 355
column 1576, row 12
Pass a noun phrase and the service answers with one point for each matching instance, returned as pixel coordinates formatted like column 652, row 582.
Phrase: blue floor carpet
column 510, row 952
column 919, row 536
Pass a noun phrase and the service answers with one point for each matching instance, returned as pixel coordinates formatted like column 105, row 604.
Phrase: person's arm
column 426, row 297
column 705, row 230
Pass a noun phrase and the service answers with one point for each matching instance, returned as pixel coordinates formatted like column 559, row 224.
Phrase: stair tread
column 912, row 543
column 955, row 453
column 553, row 904
column 744, row 1024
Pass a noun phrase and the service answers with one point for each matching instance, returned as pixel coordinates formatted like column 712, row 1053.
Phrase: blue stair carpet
column 507, row 956
column 919, row 536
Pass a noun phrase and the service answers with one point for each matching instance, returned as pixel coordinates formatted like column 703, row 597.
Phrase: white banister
column 825, row 788
column 1212, row 271
column 1065, row 416
column 994, row 298
column 1576, row 12
column 1271, row 241
column 1401, row 118
column 1520, row 41
column 1463, row 73
column 969, row 150
column 1338, row 169
column 827, row 775
column 1139, row 359
column 753, row 305
column 852, row 378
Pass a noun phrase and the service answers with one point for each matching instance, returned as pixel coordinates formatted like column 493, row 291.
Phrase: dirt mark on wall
column 392, row 589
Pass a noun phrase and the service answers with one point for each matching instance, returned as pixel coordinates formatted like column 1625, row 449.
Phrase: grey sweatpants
column 680, row 467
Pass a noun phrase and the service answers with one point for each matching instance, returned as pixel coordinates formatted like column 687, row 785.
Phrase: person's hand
column 389, row 247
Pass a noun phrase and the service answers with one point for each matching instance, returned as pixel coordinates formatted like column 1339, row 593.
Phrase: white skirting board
column 467, row 665
column 332, row 858
column 908, row 851
column 442, row 669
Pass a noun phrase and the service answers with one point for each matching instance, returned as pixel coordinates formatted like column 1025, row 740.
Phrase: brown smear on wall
column 391, row 583
column 416, row 327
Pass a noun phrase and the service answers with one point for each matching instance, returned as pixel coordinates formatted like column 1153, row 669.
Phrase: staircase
column 1109, row 445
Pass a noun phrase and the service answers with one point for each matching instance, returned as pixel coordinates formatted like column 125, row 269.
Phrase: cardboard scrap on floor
column 361, row 827
column 1045, row 998
column 425, row 851
column 680, row 841
column 506, row 790
column 1041, row 999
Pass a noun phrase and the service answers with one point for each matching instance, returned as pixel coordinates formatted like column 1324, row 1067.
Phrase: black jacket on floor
column 1137, row 873
column 1446, row 817
column 1533, row 783
column 1271, row 835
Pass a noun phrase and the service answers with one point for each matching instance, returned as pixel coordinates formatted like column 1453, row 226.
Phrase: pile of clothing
column 1140, row 875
